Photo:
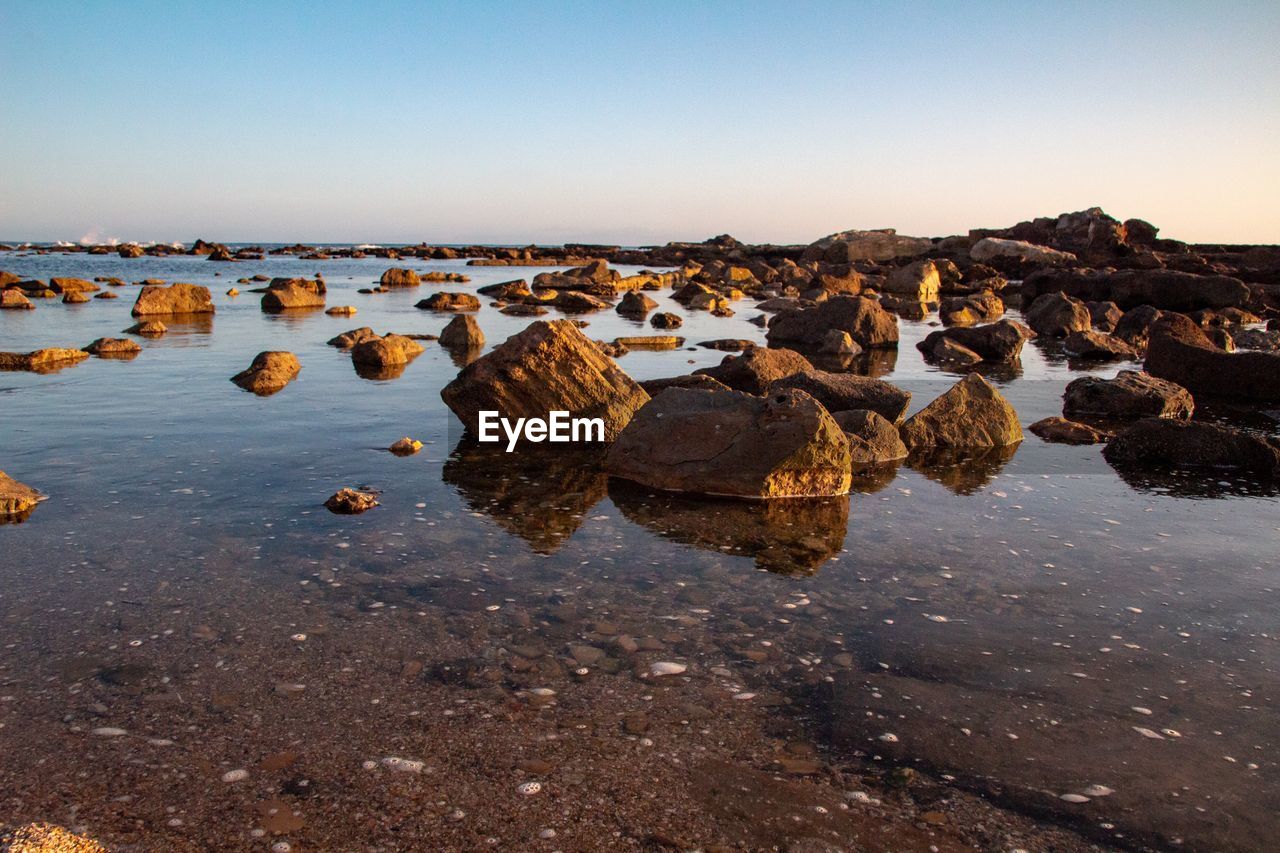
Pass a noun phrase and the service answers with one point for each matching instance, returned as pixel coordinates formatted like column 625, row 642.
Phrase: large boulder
column 177, row 298
column 873, row 439
column 1134, row 325
column 1161, row 288
column 130, row 250
column 269, row 373
column 756, row 369
column 880, row 246
column 1195, row 444
column 1180, row 351
column 1056, row 315
column 735, row 444
column 865, row 320
column 994, row 248
column 550, row 366
column 284, row 294
column 444, row 301
column 998, row 343
column 16, row 499
column 1095, row 346
column 386, row 351
column 840, row 392
column 972, row 413
column 399, row 277
column 635, row 304
column 1130, row 395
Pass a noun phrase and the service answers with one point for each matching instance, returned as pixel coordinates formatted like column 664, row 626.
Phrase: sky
column 632, row 123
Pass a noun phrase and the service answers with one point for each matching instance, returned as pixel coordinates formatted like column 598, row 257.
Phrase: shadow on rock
column 963, row 471
column 789, row 536
column 541, row 496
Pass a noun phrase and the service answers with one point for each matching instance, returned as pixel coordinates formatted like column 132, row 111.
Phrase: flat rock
column 1063, row 431
column 840, row 392
column 1131, row 394
column 1096, row 346
column 117, row 347
column 1195, row 444
column 996, row 248
column 177, row 298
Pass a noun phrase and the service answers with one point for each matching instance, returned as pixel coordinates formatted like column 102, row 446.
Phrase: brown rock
column 386, row 351
column 840, row 392
column 71, row 285
column 635, row 304
column 113, row 347
column 754, row 370
column 971, row 414
column 49, row 360
column 175, row 299
column 399, row 277
column 881, row 245
column 462, row 332
column 1161, row 288
column 984, row 307
column 450, row 302
column 1180, row 352
column 918, row 281
column 869, row 324
column 405, row 447
column 348, row 339
column 998, row 343
column 147, row 328
column 1130, row 395
column 16, row 499
column 341, row 311
column 666, row 320
column 1063, row 431
column 350, row 502
column 14, row 300
column 654, row 386
column 550, row 366
column 269, row 373
column 1057, row 315
column 1095, row 346
column 1195, row 444
column 291, row 294
column 75, row 297
column 735, row 444
column 873, row 439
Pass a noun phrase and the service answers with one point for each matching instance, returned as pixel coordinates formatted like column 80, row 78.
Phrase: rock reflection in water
column 1209, row 485
column 873, row 363
column 461, row 356
column 382, row 372
column 791, row 536
column 963, row 471
column 540, row 495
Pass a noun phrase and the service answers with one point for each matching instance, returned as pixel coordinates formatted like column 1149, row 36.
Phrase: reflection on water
column 790, row 537
column 963, row 471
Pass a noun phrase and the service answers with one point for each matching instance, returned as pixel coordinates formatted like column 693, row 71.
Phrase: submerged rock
column 1195, row 444
column 971, row 414
column 350, row 502
column 48, row 360
column 666, row 320
column 735, row 444
column 756, row 369
column 405, row 447
column 177, row 298
column 17, row 500
column 1063, row 431
column 1130, row 395
column 550, row 366
column 147, row 329
column 269, row 373
column 113, row 348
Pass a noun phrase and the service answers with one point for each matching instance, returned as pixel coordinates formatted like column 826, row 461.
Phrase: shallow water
column 1002, row 619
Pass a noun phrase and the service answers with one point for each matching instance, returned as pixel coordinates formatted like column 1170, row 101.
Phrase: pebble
column 1074, row 798
column 235, row 775
column 888, row 737
column 108, row 731
column 402, row 765
column 666, row 667
column 528, row 789
column 1148, row 733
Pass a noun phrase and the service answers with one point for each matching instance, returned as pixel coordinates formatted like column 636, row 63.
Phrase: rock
column 754, row 370
column 881, row 245
column 350, row 502
column 1167, row 289
column 130, row 250
column 519, row 310
column 341, row 311
column 1130, row 395
column 113, row 347
column 577, row 302
column 650, row 342
column 15, row 300
column 284, row 294
column 147, row 328
column 348, row 339
column 918, row 281
column 175, row 299
column 635, row 304
column 450, row 302
column 873, row 439
column 48, row 360
column 840, row 392
column 735, row 444
column 869, row 324
column 666, row 320
column 1104, row 315
column 386, row 351
column 550, row 366
column 653, row 387
column 1267, row 341
column 462, row 332
column 998, row 343
column 1057, row 315
column 1180, row 352
column 269, row 373
column 232, row 292
column 949, row 353
column 971, row 310
column 994, row 248
column 1095, row 346
column 75, row 297
column 16, row 499
column 1134, row 325
column 1195, row 444
column 506, row 290
column 837, row 342
column 106, row 294
column 725, row 344
column 1063, row 431
column 405, row 447
column 399, row 277
column 71, row 285
column 971, row 414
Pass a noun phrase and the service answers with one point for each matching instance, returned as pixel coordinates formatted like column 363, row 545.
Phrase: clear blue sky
column 638, row 122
